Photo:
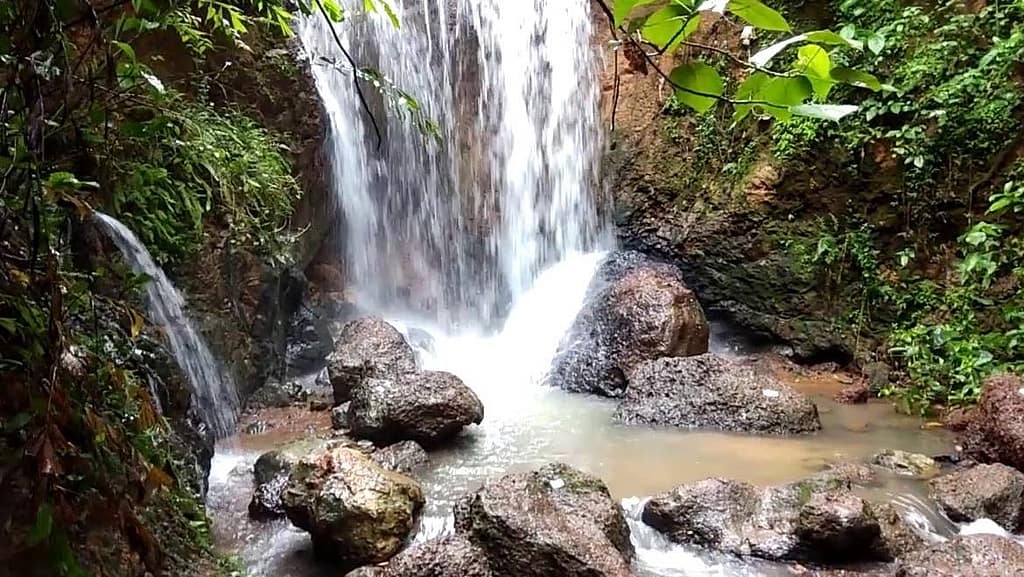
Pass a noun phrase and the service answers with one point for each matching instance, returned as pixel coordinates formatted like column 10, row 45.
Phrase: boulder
column 899, row 537
column 270, row 476
column 994, row 492
column 552, row 521
column 428, row 407
column 355, row 511
column 404, row 457
column 905, row 463
column 818, row 520
column 277, row 394
column 367, row 348
column 636, row 310
column 711, row 391
column 966, row 556
column 451, row 556
column 995, row 431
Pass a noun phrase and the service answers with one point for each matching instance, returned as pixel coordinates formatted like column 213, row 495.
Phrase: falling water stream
column 213, row 391
column 487, row 239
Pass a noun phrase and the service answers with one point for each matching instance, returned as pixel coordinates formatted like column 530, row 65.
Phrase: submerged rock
column 905, row 463
column 428, row 407
column 367, row 348
column 966, row 556
column 356, row 512
column 994, row 492
column 552, row 521
column 711, row 391
column 405, row 457
column 637, row 310
column 816, row 520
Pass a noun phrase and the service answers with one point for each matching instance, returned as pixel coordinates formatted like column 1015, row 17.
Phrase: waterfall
column 459, row 227
column 214, row 393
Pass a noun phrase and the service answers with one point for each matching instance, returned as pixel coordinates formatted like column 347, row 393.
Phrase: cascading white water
column 458, row 228
column 215, row 395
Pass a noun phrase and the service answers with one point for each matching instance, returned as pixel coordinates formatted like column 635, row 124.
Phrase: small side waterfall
column 459, row 228
column 215, row 395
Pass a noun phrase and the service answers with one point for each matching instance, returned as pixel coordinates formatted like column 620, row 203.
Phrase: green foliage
column 171, row 170
column 800, row 89
column 977, row 328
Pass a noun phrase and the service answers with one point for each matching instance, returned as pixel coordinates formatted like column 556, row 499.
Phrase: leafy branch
column 667, row 25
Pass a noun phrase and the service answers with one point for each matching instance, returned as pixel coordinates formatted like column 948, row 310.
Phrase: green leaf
column 749, row 90
column 834, row 112
column 830, row 38
column 669, row 26
column 758, row 15
column 876, row 43
column 784, row 93
column 855, row 78
column 813, row 61
column 764, row 56
column 697, row 77
column 126, row 49
column 622, row 9
column 333, row 10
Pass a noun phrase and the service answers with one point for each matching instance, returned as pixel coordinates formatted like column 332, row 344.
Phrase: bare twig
column 355, row 73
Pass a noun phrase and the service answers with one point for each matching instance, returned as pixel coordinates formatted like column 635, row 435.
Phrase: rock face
column 427, row 407
column 356, row 512
column 966, row 556
column 816, row 520
column 367, row 348
column 995, row 492
column 904, row 463
column 452, row 556
column 552, row 521
column 996, row 433
column 710, row 391
column 637, row 310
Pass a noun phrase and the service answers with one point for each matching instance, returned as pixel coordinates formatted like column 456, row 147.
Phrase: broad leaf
column 697, row 77
column 813, row 61
column 824, row 111
column 669, row 26
column 622, row 9
column 876, row 43
column 749, row 90
column 718, row 6
column 832, row 39
column 758, row 15
column 784, row 93
column 855, row 78
column 764, row 56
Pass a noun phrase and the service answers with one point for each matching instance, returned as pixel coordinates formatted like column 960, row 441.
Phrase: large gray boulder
column 818, row 520
column 552, row 521
column 427, row 407
column 994, row 491
column 356, row 512
column 636, row 310
column 966, row 556
column 451, row 556
column 367, row 348
column 714, row 392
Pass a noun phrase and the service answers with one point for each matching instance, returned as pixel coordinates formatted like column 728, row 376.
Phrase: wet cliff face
column 714, row 201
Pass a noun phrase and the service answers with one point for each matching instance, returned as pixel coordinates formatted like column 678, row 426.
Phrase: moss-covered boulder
column 356, row 512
